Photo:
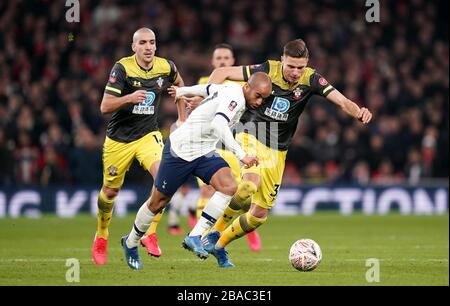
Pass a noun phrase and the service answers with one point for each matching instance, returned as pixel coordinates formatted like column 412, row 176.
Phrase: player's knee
column 207, row 191
column 232, row 188
column 157, row 204
column 246, row 189
column 110, row 193
column 252, row 177
column 229, row 188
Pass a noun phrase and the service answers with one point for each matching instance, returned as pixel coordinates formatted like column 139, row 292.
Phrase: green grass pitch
column 412, row 250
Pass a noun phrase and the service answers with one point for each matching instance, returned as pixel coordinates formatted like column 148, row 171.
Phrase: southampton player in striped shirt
column 132, row 95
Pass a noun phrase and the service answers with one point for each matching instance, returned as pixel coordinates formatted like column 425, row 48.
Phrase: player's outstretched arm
column 112, row 103
column 350, row 107
column 219, row 75
column 203, row 90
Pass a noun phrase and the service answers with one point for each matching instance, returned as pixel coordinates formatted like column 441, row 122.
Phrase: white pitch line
column 10, row 260
column 404, row 259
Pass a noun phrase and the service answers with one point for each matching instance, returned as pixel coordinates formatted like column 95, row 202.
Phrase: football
column 305, row 255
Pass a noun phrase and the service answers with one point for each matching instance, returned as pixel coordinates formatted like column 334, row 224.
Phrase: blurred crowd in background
column 53, row 73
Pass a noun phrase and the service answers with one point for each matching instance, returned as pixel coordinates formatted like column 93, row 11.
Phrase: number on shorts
column 276, row 189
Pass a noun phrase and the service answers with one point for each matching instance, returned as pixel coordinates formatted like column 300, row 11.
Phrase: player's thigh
column 149, row 149
column 117, row 159
column 173, row 172
column 270, row 181
column 208, row 166
column 223, row 181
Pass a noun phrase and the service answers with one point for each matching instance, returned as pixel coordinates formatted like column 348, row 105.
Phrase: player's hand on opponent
column 138, row 96
column 172, row 90
column 250, row 161
column 193, row 102
column 364, row 115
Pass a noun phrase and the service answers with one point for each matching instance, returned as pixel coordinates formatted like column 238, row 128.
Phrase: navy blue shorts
column 174, row 171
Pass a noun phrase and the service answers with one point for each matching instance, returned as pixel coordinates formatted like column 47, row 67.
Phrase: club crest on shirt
column 298, row 93
column 113, row 77
column 112, row 170
column 160, row 82
column 232, row 105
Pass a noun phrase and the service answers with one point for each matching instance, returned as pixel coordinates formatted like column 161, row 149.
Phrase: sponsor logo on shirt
column 279, row 109
column 146, row 107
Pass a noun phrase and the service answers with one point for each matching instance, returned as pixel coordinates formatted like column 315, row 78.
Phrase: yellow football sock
column 240, row 227
column 228, row 215
column 200, row 205
column 240, row 201
column 246, row 205
column 230, row 212
column 154, row 224
column 105, row 211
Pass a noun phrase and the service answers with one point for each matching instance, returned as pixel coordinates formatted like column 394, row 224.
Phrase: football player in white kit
column 191, row 149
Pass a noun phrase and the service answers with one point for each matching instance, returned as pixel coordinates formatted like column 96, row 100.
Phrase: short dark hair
column 224, row 46
column 296, row 48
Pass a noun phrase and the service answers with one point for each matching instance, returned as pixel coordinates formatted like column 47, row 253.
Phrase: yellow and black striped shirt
column 134, row 121
column 280, row 111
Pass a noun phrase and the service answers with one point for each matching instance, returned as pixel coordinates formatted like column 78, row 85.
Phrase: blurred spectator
column 386, row 174
column 361, row 173
column 85, row 157
column 7, row 161
column 415, row 169
column 26, row 156
column 291, row 175
column 52, row 167
column 314, row 173
column 332, row 172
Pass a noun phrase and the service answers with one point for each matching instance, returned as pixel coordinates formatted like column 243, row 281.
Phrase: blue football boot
column 131, row 255
column 210, row 240
column 195, row 245
column 222, row 258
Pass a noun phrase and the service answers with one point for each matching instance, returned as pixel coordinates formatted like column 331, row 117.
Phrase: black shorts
column 175, row 171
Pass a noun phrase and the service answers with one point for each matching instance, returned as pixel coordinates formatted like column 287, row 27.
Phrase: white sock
column 142, row 222
column 175, row 208
column 212, row 211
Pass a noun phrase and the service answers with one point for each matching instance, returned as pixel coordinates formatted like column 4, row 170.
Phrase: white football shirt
column 210, row 122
